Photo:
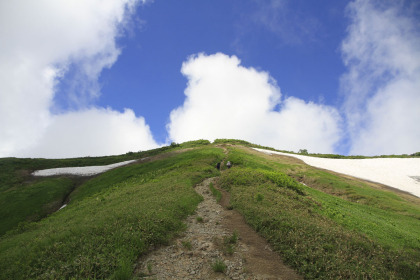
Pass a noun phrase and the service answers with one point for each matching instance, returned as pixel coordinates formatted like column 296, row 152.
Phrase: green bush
column 303, row 151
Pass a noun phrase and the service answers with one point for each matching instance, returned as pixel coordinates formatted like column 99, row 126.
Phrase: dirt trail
column 191, row 256
column 261, row 260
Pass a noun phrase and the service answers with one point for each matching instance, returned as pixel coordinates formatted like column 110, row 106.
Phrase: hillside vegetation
column 24, row 198
column 334, row 228
column 110, row 221
column 330, row 227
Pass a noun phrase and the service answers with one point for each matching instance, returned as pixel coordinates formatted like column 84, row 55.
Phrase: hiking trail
column 206, row 240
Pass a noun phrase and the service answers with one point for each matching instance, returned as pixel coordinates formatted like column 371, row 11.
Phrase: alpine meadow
column 322, row 224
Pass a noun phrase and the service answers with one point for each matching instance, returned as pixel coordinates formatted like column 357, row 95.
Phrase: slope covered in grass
column 110, row 221
column 25, row 198
column 332, row 228
column 31, row 202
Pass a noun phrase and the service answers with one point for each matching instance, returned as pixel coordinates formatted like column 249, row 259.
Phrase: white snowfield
column 399, row 173
column 80, row 171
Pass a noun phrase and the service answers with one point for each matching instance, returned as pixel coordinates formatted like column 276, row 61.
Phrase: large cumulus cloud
column 40, row 41
column 227, row 100
column 98, row 131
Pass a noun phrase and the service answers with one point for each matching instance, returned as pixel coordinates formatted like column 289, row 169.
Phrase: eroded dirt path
column 261, row 260
column 207, row 240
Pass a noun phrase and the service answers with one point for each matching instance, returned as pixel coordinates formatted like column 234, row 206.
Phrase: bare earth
column 191, row 256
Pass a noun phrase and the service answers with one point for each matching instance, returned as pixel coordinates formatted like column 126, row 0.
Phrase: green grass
column 232, row 239
column 187, row 244
column 251, row 145
column 360, row 157
column 229, row 243
column 215, row 192
column 195, row 143
column 109, row 224
column 149, row 267
column 31, row 202
column 337, row 228
column 219, row 266
column 24, row 198
column 259, row 197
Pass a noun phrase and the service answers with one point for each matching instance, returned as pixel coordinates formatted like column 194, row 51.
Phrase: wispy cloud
column 292, row 26
column 382, row 84
column 227, row 100
column 40, row 41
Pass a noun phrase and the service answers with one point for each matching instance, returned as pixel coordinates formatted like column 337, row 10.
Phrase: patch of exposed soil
column 261, row 260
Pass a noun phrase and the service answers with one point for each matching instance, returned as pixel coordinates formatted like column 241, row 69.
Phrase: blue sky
column 306, row 63
column 108, row 77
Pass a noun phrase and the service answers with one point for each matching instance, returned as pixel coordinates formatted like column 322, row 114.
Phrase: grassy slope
column 110, row 221
column 337, row 228
column 340, row 228
column 24, row 198
column 31, row 202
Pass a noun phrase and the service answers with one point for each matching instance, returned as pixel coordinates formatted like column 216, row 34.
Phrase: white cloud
column 98, row 132
column 382, row 85
column 39, row 41
column 227, row 100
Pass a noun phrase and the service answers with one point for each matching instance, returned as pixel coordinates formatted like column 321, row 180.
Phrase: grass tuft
column 219, row 266
column 215, row 192
column 259, row 197
column 149, row 267
column 229, row 243
column 187, row 244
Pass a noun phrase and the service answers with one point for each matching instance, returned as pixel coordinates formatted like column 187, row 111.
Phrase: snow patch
column 399, row 173
column 80, row 171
